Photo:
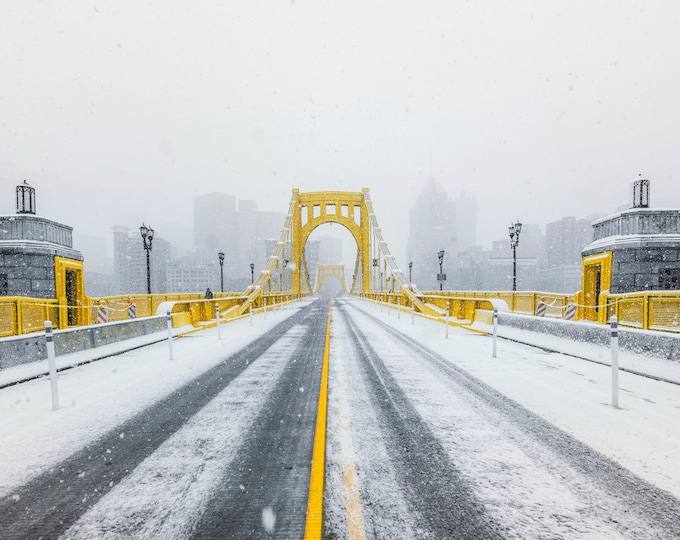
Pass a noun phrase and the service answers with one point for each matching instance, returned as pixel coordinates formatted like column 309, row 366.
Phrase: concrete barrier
column 659, row 344
column 18, row 350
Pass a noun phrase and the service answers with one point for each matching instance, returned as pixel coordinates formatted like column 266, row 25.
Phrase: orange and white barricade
column 132, row 310
column 541, row 309
column 570, row 312
column 102, row 313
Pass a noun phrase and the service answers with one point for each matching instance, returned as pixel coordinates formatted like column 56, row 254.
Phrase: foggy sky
column 122, row 112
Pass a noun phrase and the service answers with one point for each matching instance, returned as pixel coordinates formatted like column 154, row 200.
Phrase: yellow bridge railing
column 21, row 315
column 653, row 310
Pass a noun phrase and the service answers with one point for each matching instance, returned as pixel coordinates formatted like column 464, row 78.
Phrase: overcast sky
column 122, row 112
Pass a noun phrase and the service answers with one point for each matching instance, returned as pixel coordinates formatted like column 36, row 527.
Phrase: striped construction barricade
column 102, row 314
column 541, row 309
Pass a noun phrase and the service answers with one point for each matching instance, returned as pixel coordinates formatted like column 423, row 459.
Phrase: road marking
column 314, row 524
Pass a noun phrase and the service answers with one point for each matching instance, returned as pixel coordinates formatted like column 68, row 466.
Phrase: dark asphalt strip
column 637, row 495
column 49, row 504
column 443, row 502
column 269, row 477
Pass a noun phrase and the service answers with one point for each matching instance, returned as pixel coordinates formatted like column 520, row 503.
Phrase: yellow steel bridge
column 654, row 310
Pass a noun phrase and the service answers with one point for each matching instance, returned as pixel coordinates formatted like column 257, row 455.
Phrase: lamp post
column 441, row 277
column 283, row 275
column 147, row 238
column 410, row 269
column 252, row 273
column 514, row 231
column 220, row 255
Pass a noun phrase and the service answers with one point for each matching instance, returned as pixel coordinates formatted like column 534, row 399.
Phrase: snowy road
column 205, row 461
column 218, row 443
column 418, row 448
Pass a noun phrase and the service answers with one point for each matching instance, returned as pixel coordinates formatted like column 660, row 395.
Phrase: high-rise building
column 565, row 239
column 330, row 250
column 530, row 257
column 129, row 262
column 432, row 227
column 215, row 223
column 192, row 274
column 466, row 221
column 238, row 232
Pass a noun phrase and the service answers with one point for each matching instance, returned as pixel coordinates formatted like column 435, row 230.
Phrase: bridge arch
column 333, row 271
column 317, row 208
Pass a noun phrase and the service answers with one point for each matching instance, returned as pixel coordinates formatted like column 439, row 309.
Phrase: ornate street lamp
column 441, row 277
column 514, row 231
column 285, row 263
column 220, row 255
column 252, row 273
column 147, row 239
column 410, row 270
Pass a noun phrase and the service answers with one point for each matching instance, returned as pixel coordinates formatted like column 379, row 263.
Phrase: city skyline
column 438, row 224
column 549, row 256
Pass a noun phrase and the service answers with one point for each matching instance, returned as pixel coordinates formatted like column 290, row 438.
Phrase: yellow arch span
column 286, row 270
column 325, row 271
column 316, row 208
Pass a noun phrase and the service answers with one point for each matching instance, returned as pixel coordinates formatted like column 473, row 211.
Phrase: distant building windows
column 4, row 287
column 669, row 278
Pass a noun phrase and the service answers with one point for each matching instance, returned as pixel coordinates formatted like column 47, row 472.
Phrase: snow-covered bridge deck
column 425, row 436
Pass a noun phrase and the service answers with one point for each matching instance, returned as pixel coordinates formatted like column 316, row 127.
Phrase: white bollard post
column 413, row 312
column 217, row 316
column 52, row 363
column 495, row 328
column 168, row 318
column 615, row 360
column 448, row 310
column 265, row 309
column 251, row 313
column 399, row 308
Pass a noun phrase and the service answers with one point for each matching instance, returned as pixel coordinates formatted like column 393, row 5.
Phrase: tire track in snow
column 530, row 474
column 50, row 503
column 355, row 442
column 166, row 494
column 435, row 490
column 264, row 490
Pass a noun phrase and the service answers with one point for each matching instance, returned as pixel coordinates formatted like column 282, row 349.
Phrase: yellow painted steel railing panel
column 664, row 314
column 8, row 319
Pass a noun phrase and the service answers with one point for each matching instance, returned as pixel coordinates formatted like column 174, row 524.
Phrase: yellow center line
column 314, row 524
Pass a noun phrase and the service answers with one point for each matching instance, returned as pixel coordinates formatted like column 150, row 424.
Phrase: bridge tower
column 346, row 208
column 325, row 271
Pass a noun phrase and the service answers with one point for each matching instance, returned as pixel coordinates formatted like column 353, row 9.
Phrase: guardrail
column 654, row 310
column 464, row 303
column 462, row 309
column 21, row 315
